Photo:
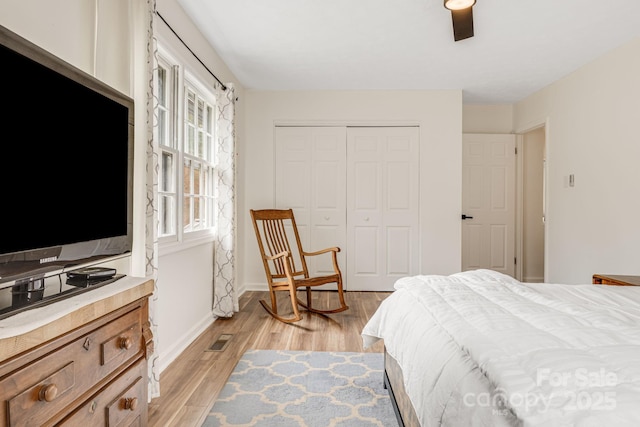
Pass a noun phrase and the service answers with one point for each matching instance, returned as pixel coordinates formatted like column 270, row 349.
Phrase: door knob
column 466, row 217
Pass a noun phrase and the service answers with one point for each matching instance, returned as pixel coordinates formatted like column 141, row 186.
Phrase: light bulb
column 458, row 4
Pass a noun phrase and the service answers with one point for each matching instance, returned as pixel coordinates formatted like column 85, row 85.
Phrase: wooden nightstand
column 614, row 280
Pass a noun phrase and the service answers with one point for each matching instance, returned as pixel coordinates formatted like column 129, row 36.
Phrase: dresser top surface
column 622, row 279
column 30, row 328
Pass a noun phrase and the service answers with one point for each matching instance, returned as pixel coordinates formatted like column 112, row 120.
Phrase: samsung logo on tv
column 50, row 259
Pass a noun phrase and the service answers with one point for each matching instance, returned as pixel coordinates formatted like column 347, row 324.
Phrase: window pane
column 186, row 177
column 166, row 179
column 209, row 126
column 190, row 140
column 197, row 215
column 191, row 106
column 196, row 179
column 162, row 127
column 210, row 133
column 163, row 93
column 200, row 124
column 200, row 113
column 209, row 148
column 208, row 212
column 200, row 145
column 190, row 124
column 186, row 213
column 162, row 82
column 167, row 215
column 205, row 181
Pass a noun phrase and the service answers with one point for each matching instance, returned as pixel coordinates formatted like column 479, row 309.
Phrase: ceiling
column 519, row 47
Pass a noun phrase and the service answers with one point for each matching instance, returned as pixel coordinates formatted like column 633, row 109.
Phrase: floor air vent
column 221, row 343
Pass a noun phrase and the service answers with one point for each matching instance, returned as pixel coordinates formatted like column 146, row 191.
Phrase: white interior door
column 311, row 180
column 488, row 202
column 382, row 206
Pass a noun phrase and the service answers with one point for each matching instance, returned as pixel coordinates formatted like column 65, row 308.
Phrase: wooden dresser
column 87, row 367
column 616, row 280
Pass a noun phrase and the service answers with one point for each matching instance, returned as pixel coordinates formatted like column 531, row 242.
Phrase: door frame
column 520, row 198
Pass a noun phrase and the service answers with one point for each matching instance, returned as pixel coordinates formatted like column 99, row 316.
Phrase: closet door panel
column 296, row 193
column 293, row 175
column 311, row 179
column 398, row 261
column 366, row 241
column 382, row 206
column 365, row 195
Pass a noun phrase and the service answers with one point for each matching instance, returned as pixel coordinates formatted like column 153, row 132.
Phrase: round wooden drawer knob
column 48, row 393
column 131, row 403
column 126, row 343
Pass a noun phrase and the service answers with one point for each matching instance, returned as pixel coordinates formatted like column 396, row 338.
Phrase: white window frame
column 207, row 159
column 168, row 191
column 180, row 79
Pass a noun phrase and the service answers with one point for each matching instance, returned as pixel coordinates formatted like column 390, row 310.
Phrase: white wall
column 487, row 118
column 185, row 294
column 439, row 115
column 66, row 29
column 591, row 118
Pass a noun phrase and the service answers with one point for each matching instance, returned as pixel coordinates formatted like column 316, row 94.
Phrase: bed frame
column 394, row 383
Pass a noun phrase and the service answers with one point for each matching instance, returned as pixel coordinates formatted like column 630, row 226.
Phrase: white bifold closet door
column 356, row 188
column 310, row 179
column 382, row 206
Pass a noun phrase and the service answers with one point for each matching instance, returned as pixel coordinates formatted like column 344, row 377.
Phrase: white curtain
column 225, row 299
column 151, row 223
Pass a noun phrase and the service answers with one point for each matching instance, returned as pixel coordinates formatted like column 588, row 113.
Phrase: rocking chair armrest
column 334, row 256
column 334, row 249
column 286, row 258
column 283, row 254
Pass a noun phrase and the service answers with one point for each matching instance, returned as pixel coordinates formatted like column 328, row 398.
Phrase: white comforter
column 480, row 348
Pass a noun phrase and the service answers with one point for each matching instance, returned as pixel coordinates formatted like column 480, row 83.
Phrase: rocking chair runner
column 279, row 262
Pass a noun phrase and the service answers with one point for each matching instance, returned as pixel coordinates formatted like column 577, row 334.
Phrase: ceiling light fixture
column 458, row 4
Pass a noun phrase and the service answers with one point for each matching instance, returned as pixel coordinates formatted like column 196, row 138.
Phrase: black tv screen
column 66, row 174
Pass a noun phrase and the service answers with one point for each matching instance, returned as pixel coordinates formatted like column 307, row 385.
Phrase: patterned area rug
column 304, row 388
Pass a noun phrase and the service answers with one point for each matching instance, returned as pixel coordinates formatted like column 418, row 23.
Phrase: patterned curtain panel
column 151, row 224
column 225, row 300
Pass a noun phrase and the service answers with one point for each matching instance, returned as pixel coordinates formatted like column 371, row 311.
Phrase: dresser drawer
column 35, row 394
column 41, row 401
column 123, row 402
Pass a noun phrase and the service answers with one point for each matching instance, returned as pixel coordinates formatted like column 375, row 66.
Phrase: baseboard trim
column 168, row 356
column 255, row 287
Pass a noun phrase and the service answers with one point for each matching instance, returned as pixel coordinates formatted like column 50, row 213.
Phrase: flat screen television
column 67, row 165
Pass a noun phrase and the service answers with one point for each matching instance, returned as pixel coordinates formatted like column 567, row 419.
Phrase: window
column 197, row 205
column 185, row 135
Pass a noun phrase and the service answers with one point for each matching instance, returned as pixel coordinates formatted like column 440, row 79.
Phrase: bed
column 480, row 348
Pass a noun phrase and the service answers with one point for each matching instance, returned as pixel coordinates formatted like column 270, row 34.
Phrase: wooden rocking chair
column 279, row 262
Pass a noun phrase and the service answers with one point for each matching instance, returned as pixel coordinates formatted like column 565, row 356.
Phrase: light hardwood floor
column 190, row 385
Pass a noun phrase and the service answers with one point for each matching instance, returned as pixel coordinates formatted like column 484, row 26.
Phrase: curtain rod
column 188, row 48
